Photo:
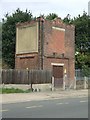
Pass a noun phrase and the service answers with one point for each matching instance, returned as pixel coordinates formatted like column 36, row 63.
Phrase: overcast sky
column 37, row 7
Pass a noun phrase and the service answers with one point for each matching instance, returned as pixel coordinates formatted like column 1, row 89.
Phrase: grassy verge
column 13, row 90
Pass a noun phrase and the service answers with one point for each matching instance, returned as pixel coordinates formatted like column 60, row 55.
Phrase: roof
column 56, row 21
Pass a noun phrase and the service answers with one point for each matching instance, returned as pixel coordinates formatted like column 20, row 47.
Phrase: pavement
column 37, row 96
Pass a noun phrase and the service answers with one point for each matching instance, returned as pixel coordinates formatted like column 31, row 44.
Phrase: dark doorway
column 58, row 75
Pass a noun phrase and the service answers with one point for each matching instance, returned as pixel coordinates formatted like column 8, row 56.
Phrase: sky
column 37, row 7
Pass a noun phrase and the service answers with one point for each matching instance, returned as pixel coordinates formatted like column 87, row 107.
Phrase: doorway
column 58, row 75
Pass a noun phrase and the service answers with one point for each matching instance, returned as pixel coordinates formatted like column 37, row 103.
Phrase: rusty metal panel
column 58, row 75
column 58, row 71
column 27, row 39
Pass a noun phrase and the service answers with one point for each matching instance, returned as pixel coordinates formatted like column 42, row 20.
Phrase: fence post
column 85, row 80
column 64, row 78
column 0, row 76
column 75, row 83
column 52, row 83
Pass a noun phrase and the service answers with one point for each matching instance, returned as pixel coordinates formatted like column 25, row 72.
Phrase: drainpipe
column 42, row 43
column 39, row 39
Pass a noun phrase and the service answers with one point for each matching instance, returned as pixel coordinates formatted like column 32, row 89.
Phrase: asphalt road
column 60, row 108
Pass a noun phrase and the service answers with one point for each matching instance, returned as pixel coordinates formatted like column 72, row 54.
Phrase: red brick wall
column 71, row 69
column 70, row 50
column 48, row 65
column 27, row 61
column 48, row 61
column 69, row 42
column 59, row 42
column 53, row 42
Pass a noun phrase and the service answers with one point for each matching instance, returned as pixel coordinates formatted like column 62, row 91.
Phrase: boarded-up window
column 27, row 39
column 56, row 41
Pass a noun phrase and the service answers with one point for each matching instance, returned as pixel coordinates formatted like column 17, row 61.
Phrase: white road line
column 3, row 110
column 83, row 101
column 59, row 103
column 62, row 103
column 66, row 103
column 35, row 106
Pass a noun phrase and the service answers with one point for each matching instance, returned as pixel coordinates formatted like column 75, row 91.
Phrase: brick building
column 44, row 44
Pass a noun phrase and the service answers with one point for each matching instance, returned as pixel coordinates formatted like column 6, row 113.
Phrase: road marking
column 83, row 101
column 3, row 110
column 59, row 103
column 62, row 103
column 66, row 103
column 47, row 99
column 35, row 106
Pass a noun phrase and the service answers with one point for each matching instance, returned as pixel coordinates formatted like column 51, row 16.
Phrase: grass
column 13, row 90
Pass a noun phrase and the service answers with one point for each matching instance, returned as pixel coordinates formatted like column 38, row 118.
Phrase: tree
column 82, row 40
column 67, row 19
column 9, row 35
column 51, row 16
column 0, row 40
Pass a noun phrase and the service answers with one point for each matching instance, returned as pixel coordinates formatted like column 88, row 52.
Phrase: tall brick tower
column 47, row 45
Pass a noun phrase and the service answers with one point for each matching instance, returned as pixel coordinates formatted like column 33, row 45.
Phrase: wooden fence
column 13, row 76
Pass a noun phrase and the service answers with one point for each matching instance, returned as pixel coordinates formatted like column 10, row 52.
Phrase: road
column 59, row 108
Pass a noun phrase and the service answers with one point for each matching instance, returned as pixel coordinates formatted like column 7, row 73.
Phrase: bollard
column 64, row 82
column 85, row 85
column 75, row 83
column 52, row 83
